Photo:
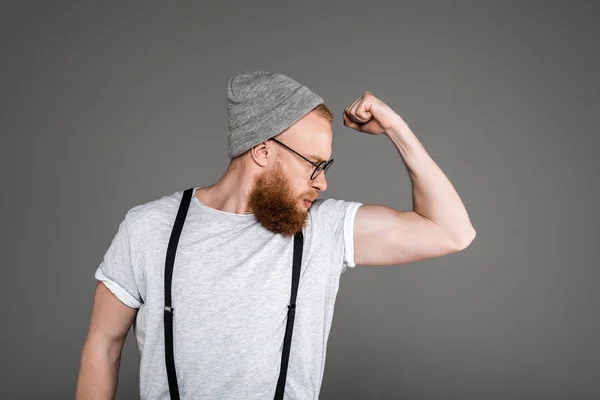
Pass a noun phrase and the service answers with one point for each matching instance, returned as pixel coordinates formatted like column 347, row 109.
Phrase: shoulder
column 155, row 212
column 324, row 206
column 333, row 211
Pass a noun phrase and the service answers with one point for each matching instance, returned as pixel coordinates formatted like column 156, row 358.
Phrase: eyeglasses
column 322, row 166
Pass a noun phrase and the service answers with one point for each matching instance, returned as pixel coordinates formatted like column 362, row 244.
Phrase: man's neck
column 229, row 193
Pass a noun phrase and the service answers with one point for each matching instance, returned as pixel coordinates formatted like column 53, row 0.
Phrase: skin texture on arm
column 384, row 236
column 101, row 354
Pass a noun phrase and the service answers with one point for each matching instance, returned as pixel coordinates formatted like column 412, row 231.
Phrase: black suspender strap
column 168, row 310
column 287, row 341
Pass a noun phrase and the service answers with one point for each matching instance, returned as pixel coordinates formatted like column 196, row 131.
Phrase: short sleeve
column 349, row 215
column 116, row 270
column 335, row 221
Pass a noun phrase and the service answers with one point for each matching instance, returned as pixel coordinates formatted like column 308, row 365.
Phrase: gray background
column 108, row 105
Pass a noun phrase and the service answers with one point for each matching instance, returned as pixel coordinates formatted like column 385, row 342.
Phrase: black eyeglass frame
column 322, row 166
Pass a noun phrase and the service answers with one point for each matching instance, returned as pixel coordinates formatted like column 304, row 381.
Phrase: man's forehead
column 315, row 146
column 311, row 137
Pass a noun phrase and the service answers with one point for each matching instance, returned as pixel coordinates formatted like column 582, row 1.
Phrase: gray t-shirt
column 230, row 292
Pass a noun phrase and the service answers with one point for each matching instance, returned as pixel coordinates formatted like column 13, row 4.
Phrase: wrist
column 396, row 127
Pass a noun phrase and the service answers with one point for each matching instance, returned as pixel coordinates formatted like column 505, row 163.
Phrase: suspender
column 168, row 310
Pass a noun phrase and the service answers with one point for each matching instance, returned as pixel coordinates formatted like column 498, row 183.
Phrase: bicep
column 384, row 236
column 111, row 319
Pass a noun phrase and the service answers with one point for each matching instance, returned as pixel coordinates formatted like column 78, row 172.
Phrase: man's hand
column 370, row 115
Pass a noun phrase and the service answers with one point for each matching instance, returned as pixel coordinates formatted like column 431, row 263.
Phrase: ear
column 263, row 153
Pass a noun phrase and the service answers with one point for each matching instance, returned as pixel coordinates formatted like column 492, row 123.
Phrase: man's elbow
column 99, row 369
column 464, row 240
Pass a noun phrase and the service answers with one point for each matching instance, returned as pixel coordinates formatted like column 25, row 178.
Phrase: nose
column 320, row 182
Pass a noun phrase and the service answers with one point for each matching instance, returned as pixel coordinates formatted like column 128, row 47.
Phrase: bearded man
column 257, row 255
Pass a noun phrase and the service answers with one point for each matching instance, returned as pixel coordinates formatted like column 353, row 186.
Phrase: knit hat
column 261, row 105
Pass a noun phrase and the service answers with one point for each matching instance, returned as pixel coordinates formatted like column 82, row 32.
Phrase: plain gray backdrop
column 106, row 105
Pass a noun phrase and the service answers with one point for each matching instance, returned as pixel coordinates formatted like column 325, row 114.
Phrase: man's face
column 278, row 196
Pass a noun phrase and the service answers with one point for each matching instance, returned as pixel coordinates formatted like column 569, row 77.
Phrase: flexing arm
column 438, row 224
column 101, row 354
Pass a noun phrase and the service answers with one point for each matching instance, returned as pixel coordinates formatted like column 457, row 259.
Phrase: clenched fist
column 370, row 115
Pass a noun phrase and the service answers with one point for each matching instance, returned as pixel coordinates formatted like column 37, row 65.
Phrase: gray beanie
column 261, row 105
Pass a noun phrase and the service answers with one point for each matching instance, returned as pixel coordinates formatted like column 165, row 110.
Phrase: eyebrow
column 316, row 158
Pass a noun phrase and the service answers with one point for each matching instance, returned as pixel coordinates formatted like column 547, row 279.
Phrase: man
column 232, row 272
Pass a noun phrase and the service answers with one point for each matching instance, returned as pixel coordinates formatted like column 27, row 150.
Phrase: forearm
column 98, row 372
column 434, row 196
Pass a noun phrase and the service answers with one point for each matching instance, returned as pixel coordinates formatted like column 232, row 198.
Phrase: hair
column 324, row 111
